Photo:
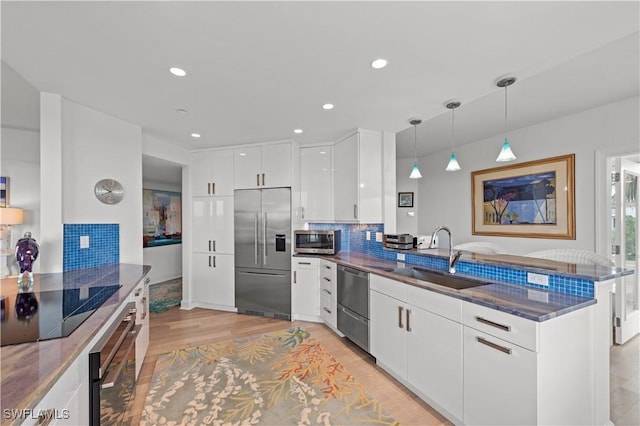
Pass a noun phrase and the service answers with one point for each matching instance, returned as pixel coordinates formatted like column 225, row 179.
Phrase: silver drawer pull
column 494, row 346
column 327, row 310
column 304, row 263
column 409, row 320
column 400, row 309
column 494, row 324
column 138, row 291
column 327, row 266
column 326, row 291
column 327, row 279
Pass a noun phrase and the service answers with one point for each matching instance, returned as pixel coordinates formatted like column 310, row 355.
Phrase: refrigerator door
column 248, row 228
column 263, row 292
column 276, row 229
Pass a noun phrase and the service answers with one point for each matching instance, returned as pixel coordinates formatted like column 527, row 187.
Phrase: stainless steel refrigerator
column 263, row 251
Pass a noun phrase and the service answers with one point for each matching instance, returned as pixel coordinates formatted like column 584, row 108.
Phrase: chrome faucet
column 454, row 255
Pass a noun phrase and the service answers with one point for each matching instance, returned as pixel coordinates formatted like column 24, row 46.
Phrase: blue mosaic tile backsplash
column 104, row 245
column 354, row 240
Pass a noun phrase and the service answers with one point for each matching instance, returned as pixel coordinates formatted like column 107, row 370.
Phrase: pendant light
column 453, row 161
column 505, row 153
column 415, row 171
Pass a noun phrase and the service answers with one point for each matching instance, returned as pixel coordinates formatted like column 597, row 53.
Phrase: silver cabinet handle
column 302, row 212
column 263, row 179
column 255, row 240
column 264, row 238
column 257, row 179
column 327, row 279
column 493, row 324
column 494, row 346
column 138, row 291
column 147, row 280
column 214, row 261
column 304, row 263
column 409, row 320
column 213, row 188
column 209, row 245
column 326, row 291
column 209, row 261
column 208, row 187
column 295, row 277
column 355, row 211
column 327, row 266
column 327, row 310
column 214, row 245
column 400, row 309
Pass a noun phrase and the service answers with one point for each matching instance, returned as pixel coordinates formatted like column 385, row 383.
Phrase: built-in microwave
column 318, row 242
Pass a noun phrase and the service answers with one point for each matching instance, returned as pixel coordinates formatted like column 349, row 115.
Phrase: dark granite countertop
column 533, row 304
column 29, row 370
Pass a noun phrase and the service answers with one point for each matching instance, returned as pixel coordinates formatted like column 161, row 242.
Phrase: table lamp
column 8, row 216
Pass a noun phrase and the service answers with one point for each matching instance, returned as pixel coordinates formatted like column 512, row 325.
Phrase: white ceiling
column 258, row 70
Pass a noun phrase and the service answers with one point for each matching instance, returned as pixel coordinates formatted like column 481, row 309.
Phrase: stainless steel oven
column 353, row 305
column 112, row 370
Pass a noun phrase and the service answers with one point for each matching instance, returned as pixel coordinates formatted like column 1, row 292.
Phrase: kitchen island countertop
column 533, row 304
column 29, row 370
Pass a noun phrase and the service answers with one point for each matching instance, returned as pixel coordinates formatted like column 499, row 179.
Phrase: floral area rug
column 165, row 295
column 281, row 378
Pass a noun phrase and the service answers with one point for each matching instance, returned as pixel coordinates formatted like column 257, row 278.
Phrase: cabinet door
column 141, row 298
column 315, row 183
column 212, row 225
column 434, row 357
column 345, row 179
column 247, row 167
column 387, row 321
column 200, row 170
column 499, row 381
column 276, row 165
column 369, row 184
column 305, row 296
column 222, row 173
column 213, row 279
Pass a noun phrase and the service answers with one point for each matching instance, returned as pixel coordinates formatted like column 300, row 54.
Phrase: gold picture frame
column 529, row 200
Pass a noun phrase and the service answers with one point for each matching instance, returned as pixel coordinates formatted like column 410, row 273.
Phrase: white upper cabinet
column 357, row 178
column 266, row 166
column 315, row 184
column 212, row 173
column 212, row 224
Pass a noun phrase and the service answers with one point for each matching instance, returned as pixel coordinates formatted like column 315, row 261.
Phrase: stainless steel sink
column 440, row 278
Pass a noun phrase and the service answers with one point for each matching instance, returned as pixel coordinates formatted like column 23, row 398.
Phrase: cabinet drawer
column 513, row 329
column 305, row 263
column 387, row 286
column 446, row 306
column 328, row 283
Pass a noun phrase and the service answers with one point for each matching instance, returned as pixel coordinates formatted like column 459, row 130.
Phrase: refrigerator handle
column 255, row 240
column 264, row 237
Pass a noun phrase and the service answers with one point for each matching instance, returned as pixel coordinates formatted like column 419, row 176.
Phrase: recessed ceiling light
column 379, row 63
column 182, row 110
column 178, row 72
column 327, row 106
column 242, row 154
column 298, row 131
column 195, row 135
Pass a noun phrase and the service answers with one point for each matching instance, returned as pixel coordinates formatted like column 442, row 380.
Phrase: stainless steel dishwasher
column 353, row 305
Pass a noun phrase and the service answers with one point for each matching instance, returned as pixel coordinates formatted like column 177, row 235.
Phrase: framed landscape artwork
column 532, row 200
column 162, row 218
column 405, row 199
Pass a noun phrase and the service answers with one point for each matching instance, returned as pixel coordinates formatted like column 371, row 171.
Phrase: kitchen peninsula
column 50, row 377
column 498, row 353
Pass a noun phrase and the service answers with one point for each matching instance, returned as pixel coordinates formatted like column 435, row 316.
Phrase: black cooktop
column 35, row 316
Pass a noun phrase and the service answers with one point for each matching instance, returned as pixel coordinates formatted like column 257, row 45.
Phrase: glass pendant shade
column 453, row 165
column 415, row 172
column 505, row 153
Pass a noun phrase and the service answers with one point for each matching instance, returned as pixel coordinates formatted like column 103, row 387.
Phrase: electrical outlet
column 400, row 257
column 84, row 241
column 368, row 235
column 378, row 237
column 537, row 279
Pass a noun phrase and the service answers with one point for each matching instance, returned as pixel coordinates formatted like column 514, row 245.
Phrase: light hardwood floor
column 176, row 329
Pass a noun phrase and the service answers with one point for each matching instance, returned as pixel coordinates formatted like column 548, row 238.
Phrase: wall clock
column 109, row 191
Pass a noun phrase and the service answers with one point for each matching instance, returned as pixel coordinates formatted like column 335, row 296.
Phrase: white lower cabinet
column 328, row 293
column 305, row 295
column 421, row 348
column 213, row 280
column 499, row 381
column 141, row 299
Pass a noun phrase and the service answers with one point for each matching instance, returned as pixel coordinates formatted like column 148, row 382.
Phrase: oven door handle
column 114, row 374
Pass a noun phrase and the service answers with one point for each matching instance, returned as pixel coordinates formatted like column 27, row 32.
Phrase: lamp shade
column 505, row 153
column 415, row 172
column 11, row 216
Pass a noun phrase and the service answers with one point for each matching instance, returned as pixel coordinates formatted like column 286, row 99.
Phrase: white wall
column 20, row 161
column 406, row 223
column 165, row 261
column 97, row 146
column 446, row 196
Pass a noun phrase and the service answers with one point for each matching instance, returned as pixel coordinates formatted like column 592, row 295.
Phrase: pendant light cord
column 453, row 135
column 415, row 143
column 505, row 112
